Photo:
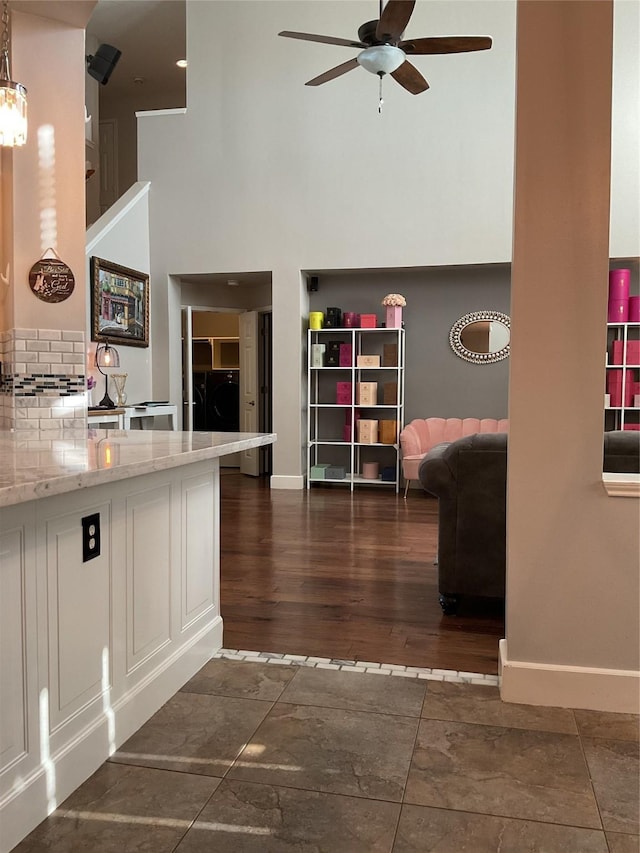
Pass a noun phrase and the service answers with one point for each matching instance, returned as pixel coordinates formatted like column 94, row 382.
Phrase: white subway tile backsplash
column 61, row 346
column 73, row 336
column 37, row 346
column 49, row 334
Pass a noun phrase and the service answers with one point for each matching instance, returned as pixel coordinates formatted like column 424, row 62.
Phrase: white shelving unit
column 623, row 416
column 326, row 418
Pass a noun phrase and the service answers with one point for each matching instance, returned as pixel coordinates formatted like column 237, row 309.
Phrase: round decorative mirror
column 481, row 337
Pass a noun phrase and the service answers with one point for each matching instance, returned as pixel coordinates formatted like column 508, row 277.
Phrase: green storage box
column 319, row 472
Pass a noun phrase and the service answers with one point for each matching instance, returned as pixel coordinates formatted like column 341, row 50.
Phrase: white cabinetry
column 90, row 649
column 336, row 452
column 623, row 376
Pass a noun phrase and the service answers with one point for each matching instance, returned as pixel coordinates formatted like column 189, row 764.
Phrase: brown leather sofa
column 469, row 478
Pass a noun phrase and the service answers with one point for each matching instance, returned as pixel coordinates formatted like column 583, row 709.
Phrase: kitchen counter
column 110, row 582
column 37, row 468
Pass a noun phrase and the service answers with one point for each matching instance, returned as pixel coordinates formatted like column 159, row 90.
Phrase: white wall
column 625, row 121
column 273, row 175
column 122, row 236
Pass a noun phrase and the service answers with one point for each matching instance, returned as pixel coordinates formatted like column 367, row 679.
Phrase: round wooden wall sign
column 51, row 280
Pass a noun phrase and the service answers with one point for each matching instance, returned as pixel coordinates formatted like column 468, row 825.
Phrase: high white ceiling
column 151, row 35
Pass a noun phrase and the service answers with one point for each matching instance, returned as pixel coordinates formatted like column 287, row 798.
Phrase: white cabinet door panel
column 199, row 546
column 79, row 608
column 148, row 558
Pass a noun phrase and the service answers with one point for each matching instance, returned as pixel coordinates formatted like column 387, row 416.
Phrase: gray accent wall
column 437, row 382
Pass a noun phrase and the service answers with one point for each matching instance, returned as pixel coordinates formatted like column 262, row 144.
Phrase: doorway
column 226, row 377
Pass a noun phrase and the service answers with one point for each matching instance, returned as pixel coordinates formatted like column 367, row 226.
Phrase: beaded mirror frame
column 455, row 337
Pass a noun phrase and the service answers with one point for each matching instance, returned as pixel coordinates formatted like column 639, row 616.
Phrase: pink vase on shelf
column 394, row 317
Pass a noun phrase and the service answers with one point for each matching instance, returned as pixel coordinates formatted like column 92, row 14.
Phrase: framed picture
column 119, row 304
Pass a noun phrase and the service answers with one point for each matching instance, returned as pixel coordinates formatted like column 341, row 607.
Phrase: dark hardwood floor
column 332, row 574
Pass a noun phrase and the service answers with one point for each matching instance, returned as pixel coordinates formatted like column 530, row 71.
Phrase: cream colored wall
column 6, row 237
column 573, row 552
column 39, row 45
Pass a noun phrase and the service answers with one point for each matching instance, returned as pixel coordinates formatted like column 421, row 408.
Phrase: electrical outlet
column 90, row 537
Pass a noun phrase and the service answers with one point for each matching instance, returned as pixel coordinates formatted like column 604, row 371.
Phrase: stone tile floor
column 276, row 754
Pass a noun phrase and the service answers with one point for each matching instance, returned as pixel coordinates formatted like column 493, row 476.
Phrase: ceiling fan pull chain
column 380, row 101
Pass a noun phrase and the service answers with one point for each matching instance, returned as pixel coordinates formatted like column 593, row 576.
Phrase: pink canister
column 619, row 285
column 370, row 470
column 618, row 311
column 634, row 309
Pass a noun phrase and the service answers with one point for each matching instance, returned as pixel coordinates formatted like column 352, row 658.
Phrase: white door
column 109, row 190
column 248, row 332
column 187, row 369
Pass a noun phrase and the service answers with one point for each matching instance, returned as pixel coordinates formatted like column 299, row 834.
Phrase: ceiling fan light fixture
column 381, row 59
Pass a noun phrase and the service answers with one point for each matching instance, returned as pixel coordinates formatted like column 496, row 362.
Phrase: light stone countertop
column 54, row 464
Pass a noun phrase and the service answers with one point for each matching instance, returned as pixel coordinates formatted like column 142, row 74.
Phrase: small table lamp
column 106, row 356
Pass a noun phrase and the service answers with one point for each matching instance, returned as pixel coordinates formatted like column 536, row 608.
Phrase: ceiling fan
column 384, row 51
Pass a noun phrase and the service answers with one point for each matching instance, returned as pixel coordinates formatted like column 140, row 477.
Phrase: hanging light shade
column 381, row 58
column 13, row 96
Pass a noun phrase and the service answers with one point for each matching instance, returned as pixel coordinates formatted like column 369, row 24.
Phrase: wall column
column 572, row 619
column 42, row 345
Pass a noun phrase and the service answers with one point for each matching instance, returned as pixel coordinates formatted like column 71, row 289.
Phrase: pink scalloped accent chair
column 419, row 436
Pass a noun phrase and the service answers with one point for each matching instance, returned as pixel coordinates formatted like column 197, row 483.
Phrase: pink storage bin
column 614, row 387
column 343, row 393
column 616, row 352
column 633, row 352
column 619, row 281
column 618, row 311
column 349, row 319
column 632, row 426
column 634, row 309
column 346, row 357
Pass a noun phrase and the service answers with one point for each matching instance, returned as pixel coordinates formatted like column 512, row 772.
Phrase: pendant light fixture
column 13, row 96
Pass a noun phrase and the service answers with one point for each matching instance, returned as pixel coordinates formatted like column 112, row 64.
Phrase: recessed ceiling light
column 233, row 283
column 181, row 63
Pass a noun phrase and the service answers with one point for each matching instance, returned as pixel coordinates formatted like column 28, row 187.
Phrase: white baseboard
column 81, row 755
column 523, row 682
column 279, row 481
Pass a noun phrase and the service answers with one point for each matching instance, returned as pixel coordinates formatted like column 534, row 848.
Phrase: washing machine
column 216, row 395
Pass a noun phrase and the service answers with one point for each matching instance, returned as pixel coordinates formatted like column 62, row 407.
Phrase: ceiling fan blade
column 409, row 77
column 333, row 72
column 445, row 44
column 322, row 39
column 394, row 19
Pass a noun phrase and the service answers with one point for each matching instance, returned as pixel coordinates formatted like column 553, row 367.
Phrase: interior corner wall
column 572, row 553
column 127, row 244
